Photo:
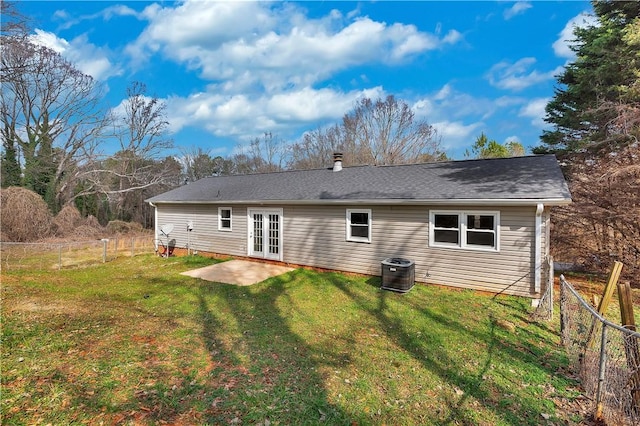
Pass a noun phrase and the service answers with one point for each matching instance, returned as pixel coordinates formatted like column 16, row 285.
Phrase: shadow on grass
column 269, row 373
column 266, row 357
column 466, row 382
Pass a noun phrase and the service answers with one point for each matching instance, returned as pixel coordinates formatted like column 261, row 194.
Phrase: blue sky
column 231, row 71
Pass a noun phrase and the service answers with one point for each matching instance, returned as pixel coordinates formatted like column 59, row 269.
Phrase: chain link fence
column 59, row 255
column 606, row 357
column 544, row 310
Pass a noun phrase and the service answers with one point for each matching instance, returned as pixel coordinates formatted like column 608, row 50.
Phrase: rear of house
column 479, row 224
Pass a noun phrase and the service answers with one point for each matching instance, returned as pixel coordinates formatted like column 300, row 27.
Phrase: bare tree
column 601, row 225
column 141, row 132
column 197, row 163
column 316, row 148
column 13, row 22
column 264, row 155
column 387, row 132
column 14, row 28
column 375, row 132
column 271, row 149
column 52, row 118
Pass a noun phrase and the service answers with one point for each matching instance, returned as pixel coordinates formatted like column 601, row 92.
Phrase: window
column 224, row 218
column 359, row 225
column 469, row 230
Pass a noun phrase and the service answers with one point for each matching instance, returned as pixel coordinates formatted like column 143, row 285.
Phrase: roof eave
column 404, row 202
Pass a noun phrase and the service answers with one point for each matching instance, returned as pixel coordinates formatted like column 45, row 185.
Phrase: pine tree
column 9, row 167
column 591, row 89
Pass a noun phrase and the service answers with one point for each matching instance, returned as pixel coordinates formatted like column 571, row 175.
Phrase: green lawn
column 134, row 342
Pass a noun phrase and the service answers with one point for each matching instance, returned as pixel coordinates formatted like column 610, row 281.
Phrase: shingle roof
column 510, row 179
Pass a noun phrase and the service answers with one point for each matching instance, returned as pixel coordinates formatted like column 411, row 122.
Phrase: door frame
column 265, row 221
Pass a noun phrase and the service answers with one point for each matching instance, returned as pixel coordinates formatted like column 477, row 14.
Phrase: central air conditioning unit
column 398, row 274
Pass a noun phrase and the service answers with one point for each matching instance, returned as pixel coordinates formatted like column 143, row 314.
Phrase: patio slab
column 238, row 272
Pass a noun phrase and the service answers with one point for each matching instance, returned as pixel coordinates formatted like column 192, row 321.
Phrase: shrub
column 92, row 221
column 121, row 227
column 24, row 216
column 67, row 220
column 84, row 232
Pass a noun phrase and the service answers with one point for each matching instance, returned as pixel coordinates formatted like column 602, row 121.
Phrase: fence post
column 603, row 364
column 614, row 275
column 631, row 343
column 133, row 241
column 105, row 241
column 611, row 285
column 59, row 256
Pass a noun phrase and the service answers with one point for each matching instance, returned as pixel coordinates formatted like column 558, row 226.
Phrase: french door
column 265, row 233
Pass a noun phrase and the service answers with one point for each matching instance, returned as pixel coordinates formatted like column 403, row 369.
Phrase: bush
column 121, row 227
column 92, row 221
column 84, row 232
column 67, row 220
column 24, row 216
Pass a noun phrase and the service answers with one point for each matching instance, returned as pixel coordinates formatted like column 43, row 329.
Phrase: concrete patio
column 238, row 272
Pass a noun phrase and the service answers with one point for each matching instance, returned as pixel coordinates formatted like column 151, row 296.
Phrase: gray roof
column 491, row 181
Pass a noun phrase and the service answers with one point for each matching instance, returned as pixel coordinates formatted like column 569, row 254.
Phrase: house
column 478, row 224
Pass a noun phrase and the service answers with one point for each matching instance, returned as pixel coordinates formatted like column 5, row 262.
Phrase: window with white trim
column 473, row 230
column 224, row 218
column 359, row 225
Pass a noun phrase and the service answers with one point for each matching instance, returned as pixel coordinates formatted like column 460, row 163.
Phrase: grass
column 134, row 342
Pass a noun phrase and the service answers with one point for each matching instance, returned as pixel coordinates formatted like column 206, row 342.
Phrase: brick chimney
column 337, row 161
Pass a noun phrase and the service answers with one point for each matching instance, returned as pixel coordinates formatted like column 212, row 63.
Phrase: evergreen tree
column 9, row 167
column 485, row 148
column 591, row 89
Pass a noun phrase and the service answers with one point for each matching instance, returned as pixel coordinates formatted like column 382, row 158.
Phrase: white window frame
column 462, row 229
column 220, row 227
column 357, row 239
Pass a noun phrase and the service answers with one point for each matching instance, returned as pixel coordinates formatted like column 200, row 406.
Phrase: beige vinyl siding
column 205, row 235
column 315, row 235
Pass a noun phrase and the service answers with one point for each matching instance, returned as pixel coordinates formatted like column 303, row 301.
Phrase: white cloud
column 423, row 108
column 518, row 76
column 452, row 37
column 355, row 12
column 535, row 110
column 518, row 8
column 456, row 135
column 68, row 20
column 243, row 116
column 119, row 10
column 88, row 58
column 447, row 103
column 443, row 93
column 561, row 46
column 459, row 117
column 272, row 45
column 50, row 40
column 456, row 129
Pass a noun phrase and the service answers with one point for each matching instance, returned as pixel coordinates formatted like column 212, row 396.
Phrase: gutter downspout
column 155, row 226
column 538, row 249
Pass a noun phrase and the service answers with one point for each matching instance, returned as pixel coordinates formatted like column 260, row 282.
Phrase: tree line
column 595, row 119
column 56, row 129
